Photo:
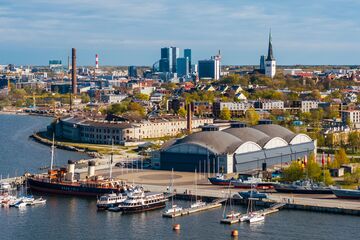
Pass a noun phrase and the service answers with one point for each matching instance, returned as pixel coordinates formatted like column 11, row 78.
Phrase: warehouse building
column 235, row 149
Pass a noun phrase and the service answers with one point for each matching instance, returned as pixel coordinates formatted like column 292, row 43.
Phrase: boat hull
column 221, row 182
column 144, row 208
column 68, row 189
column 282, row 189
column 259, row 186
column 347, row 194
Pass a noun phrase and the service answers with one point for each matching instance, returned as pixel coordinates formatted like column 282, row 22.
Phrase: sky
column 131, row 32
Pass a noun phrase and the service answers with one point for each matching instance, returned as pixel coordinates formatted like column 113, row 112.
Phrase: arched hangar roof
column 216, row 141
column 249, row 134
column 239, row 140
column 273, row 131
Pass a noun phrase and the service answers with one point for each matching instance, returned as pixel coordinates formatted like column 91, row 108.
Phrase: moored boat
column 221, row 180
column 303, row 187
column 256, row 218
column 139, row 201
column 252, row 182
column 252, row 194
column 347, row 193
column 110, row 200
column 61, row 181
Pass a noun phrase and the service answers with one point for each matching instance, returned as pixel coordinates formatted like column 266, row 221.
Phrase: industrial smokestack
column 96, row 61
column 189, row 118
column 73, row 71
column 91, row 169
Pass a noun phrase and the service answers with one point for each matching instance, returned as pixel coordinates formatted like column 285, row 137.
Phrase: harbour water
column 66, row 217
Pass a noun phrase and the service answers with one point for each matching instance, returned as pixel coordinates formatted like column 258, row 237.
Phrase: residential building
column 269, row 104
column 102, row 132
column 112, row 98
column 350, row 116
column 237, row 109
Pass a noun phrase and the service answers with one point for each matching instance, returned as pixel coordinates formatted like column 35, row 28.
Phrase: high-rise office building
column 166, row 61
column 175, row 55
column 209, row 68
column 270, row 63
column 164, row 65
column 182, row 66
column 262, row 64
column 132, row 71
column 187, row 54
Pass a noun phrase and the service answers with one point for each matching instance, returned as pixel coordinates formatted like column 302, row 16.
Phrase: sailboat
column 232, row 214
column 198, row 203
column 174, row 208
column 251, row 216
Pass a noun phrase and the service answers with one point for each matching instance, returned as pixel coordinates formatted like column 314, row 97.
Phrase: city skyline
column 131, row 32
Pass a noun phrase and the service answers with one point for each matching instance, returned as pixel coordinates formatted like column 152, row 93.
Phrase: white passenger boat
column 110, row 200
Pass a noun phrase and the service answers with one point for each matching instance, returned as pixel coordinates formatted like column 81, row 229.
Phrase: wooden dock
column 272, row 209
column 188, row 211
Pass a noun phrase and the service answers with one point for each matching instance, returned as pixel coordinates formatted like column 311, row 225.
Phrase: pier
column 158, row 181
column 188, row 211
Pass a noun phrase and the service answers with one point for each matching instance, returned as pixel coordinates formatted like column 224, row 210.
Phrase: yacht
column 110, row 200
column 139, row 201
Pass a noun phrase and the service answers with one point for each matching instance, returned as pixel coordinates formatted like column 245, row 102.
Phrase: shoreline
column 36, row 137
column 13, row 113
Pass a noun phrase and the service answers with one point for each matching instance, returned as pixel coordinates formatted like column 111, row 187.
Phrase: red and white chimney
column 96, row 61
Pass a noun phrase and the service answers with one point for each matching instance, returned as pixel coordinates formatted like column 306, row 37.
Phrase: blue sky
column 132, row 32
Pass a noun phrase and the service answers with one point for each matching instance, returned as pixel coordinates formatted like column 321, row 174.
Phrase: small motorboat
column 173, row 209
column 233, row 215
column 39, row 201
column 198, row 204
column 245, row 217
column 21, row 204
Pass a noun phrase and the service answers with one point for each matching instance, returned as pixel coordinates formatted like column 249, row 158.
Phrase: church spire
column 270, row 55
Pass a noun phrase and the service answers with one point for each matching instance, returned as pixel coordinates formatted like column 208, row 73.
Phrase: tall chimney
column 96, row 61
column 189, row 118
column 73, row 71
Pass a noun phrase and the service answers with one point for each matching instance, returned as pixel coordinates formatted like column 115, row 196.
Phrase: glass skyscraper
column 182, row 67
column 187, row 54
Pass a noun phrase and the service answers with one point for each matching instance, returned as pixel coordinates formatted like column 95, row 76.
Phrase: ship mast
column 111, row 157
column 52, row 152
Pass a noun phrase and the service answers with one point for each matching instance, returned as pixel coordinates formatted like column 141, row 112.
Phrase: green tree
column 315, row 94
column 354, row 141
column 225, row 114
column 293, row 173
column 181, row 112
column 353, row 178
column 328, row 179
column 251, row 116
column 136, row 107
column 340, row 158
column 117, row 108
column 312, row 169
column 141, row 96
column 85, row 98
